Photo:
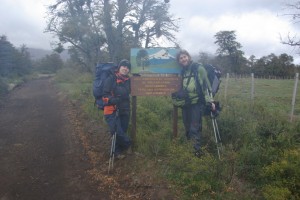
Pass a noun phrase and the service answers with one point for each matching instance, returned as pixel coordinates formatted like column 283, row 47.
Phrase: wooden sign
column 154, row 85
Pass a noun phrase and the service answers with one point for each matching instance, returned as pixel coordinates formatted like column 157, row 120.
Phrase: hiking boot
column 199, row 153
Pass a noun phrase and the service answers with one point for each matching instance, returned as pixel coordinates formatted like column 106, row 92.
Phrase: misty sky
column 258, row 24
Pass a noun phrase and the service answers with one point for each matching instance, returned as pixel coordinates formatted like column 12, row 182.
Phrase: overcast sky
column 258, row 24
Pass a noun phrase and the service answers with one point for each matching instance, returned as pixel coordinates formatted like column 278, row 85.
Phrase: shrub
column 276, row 193
column 283, row 176
column 153, row 136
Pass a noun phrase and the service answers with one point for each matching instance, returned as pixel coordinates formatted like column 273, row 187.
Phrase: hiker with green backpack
column 193, row 97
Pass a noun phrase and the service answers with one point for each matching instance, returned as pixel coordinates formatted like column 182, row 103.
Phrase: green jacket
column 191, row 86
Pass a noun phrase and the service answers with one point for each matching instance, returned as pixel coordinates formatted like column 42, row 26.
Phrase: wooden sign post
column 156, row 73
column 154, row 85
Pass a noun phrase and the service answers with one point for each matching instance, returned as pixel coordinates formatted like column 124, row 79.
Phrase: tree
column 294, row 13
column 7, row 52
column 13, row 62
column 74, row 23
column 229, row 52
column 272, row 65
column 49, row 64
column 24, row 63
column 204, row 58
column 95, row 29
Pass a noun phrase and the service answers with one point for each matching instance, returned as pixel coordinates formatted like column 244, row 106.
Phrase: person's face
column 124, row 70
column 184, row 60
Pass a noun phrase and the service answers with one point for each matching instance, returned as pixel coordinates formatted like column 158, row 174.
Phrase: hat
column 124, row 62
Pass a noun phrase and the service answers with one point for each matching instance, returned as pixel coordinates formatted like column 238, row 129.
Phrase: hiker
column 196, row 88
column 116, row 91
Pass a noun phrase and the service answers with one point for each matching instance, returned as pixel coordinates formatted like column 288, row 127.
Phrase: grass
column 254, row 135
column 275, row 94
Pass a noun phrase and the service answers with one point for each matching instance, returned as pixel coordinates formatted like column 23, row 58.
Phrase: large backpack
column 102, row 72
column 214, row 77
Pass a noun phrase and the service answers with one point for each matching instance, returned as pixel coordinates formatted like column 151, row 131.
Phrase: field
column 260, row 151
column 274, row 94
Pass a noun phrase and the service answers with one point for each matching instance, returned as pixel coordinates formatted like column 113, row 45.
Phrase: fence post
column 294, row 95
column 252, row 86
column 226, row 86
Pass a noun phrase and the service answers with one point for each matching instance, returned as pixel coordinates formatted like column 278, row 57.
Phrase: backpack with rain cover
column 102, row 72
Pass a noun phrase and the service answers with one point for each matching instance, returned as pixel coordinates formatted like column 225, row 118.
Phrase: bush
column 283, row 176
column 153, row 136
column 199, row 178
column 276, row 193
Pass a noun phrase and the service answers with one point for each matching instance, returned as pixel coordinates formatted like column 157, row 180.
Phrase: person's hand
column 213, row 106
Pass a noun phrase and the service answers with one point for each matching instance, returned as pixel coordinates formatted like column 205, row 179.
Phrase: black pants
column 192, row 120
column 119, row 124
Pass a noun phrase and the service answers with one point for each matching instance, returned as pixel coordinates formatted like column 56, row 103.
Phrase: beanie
column 124, row 62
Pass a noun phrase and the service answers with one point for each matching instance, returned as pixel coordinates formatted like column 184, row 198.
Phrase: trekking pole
column 216, row 128
column 112, row 152
column 216, row 133
column 113, row 146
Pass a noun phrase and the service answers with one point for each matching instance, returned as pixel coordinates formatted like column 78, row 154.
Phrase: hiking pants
column 192, row 120
column 120, row 125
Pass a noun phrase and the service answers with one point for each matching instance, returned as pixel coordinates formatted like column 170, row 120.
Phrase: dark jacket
column 116, row 93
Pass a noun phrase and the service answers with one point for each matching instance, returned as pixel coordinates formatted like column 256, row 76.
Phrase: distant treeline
column 16, row 64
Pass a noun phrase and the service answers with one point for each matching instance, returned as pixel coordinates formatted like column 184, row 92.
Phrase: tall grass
column 260, row 152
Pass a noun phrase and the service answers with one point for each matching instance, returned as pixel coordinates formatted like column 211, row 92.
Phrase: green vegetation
column 273, row 94
column 16, row 66
column 260, row 153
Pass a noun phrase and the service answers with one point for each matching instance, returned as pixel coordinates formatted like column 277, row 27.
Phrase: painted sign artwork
column 154, row 60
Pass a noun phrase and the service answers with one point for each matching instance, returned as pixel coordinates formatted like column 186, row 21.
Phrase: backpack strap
column 189, row 79
column 199, row 88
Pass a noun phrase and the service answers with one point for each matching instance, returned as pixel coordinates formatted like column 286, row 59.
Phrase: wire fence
column 280, row 94
column 240, row 76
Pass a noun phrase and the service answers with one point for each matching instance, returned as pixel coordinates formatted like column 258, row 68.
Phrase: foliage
column 15, row 65
column 197, row 178
column 153, row 137
column 272, row 65
column 229, row 52
column 293, row 8
column 230, row 59
column 13, row 62
column 49, row 64
column 106, row 30
column 259, row 156
column 282, row 176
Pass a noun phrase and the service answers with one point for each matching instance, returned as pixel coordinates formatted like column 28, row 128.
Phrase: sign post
column 155, row 73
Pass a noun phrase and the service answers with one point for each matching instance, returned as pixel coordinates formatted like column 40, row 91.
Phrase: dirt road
column 40, row 156
column 50, row 150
